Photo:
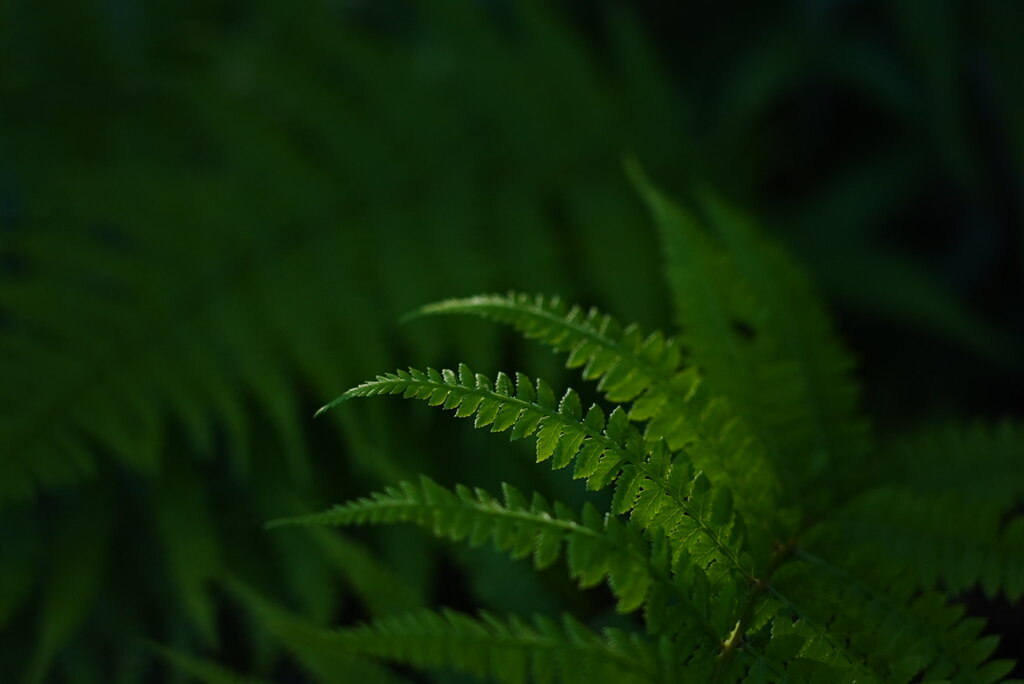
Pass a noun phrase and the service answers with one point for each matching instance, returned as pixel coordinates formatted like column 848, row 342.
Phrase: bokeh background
column 213, row 213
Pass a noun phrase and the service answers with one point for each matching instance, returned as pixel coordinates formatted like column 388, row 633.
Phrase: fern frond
column 596, row 547
column 645, row 369
column 919, row 520
column 757, row 330
column 978, row 463
column 879, row 619
column 524, row 408
column 656, row 489
column 936, row 542
column 515, row 651
column 823, row 417
column 624, row 361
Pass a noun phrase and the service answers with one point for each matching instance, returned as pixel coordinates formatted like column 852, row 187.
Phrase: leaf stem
column 759, row 588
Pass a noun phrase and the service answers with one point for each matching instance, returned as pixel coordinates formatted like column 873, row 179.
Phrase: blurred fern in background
column 212, row 213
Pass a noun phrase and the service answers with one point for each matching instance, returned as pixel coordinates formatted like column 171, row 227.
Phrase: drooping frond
column 643, row 369
column 657, row 489
column 514, row 651
column 596, row 546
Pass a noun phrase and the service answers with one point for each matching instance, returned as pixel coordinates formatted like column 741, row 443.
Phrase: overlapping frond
column 754, row 325
column 646, row 370
column 938, row 540
column 515, row 651
column 625, row 361
column 876, row 619
column 656, row 488
column 596, row 547
column 946, row 516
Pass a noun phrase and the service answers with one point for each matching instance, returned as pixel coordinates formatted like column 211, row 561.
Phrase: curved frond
column 645, row 370
column 658, row 489
column 624, row 361
column 596, row 547
column 514, row 651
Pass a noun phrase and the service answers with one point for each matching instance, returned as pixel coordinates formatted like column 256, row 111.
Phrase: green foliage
column 750, row 523
column 196, row 198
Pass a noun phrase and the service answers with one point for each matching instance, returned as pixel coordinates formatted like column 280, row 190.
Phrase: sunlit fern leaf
column 596, row 547
column 644, row 369
column 200, row 669
column 624, row 360
column 513, row 651
column 647, row 477
column 309, row 644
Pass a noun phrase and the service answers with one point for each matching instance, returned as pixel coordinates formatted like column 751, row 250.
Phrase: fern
column 156, row 309
column 738, row 521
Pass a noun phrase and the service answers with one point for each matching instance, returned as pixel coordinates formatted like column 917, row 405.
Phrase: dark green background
column 212, row 215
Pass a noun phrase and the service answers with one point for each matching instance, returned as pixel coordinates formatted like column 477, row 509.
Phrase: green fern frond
column 596, row 547
column 515, row 651
column 624, row 361
column 644, row 369
column 917, row 520
column 657, row 489
column 823, row 417
column 757, row 330
column 978, row 463
column 524, row 408
column 930, row 537
column 879, row 618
